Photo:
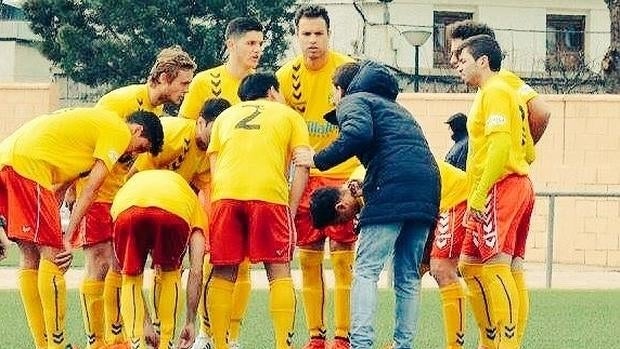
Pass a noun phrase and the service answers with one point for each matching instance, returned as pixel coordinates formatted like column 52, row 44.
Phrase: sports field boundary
column 564, row 277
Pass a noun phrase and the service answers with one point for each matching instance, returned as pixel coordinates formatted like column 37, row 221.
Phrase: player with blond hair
column 167, row 82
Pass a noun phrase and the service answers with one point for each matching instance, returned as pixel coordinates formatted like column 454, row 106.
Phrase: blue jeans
column 376, row 243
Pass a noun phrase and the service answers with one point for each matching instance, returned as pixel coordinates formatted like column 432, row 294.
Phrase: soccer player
column 160, row 223
column 38, row 162
column 446, row 249
column 538, row 113
column 252, row 206
column 401, row 192
column 168, row 81
column 501, row 197
column 244, row 44
column 306, row 85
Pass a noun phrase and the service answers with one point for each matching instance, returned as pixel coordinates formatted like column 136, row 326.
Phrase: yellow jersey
column 180, row 153
column 174, row 196
column 253, row 142
column 212, row 83
column 58, row 148
column 310, row 93
column 495, row 109
column 123, row 102
column 454, row 188
column 526, row 93
column 126, row 100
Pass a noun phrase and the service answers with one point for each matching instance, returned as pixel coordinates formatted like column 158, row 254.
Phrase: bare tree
column 611, row 61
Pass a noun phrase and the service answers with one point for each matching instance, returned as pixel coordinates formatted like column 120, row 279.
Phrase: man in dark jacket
column 457, row 155
column 401, row 191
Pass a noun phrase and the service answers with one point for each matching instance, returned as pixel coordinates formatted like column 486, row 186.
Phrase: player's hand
column 4, row 243
column 187, row 336
column 304, row 157
column 150, row 335
column 63, row 260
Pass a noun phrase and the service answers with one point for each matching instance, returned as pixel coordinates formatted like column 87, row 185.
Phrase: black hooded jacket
column 402, row 179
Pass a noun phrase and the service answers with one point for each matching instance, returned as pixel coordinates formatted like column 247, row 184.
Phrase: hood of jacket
column 374, row 78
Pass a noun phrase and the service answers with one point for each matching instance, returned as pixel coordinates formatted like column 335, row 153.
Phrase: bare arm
column 300, row 179
column 538, row 117
column 194, row 287
column 96, row 177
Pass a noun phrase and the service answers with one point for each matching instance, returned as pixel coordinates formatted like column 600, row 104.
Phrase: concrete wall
column 22, row 102
column 580, row 151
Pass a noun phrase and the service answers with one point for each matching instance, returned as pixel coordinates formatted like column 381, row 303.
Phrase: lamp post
column 416, row 38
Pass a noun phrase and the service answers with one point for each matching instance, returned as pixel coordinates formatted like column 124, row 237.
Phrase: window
column 441, row 42
column 565, row 38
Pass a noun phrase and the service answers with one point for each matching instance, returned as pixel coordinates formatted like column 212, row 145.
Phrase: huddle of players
column 239, row 162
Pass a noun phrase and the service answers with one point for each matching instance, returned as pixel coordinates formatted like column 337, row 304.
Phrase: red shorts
column 506, row 222
column 96, row 226
column 449, row 233
column 32, row 212
column 307, row 234
column 140, row 230
column 259, row 230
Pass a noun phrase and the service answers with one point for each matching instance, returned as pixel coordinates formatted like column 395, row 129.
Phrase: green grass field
column 559, row 319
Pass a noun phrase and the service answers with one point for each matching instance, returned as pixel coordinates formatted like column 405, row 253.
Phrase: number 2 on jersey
column 245, row 122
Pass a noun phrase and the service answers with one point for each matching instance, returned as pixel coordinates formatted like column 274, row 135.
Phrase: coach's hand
column 187, row 336
column 63, row 260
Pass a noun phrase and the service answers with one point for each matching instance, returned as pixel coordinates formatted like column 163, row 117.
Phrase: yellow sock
column 453, row 306
column 169, row 306
column 29, row 291
column 91, row 297
column 132, row 308
column 241, row 297
column 524, row 304
column 112, row 308
column 505, row 300
column 203, row 315
column 342, row 262
column 219, row 305
column 313, row 291
column 480, row 300
column 155, row 296
column 53, row 293
column 282, row 309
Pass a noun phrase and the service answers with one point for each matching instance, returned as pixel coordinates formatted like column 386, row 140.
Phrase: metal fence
column 552, row 195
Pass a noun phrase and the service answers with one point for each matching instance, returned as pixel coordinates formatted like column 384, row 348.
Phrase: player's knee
column 29, row 255
column 444, row 272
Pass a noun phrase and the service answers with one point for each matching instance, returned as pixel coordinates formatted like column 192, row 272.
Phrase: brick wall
column 20, row 102
column 580, row 151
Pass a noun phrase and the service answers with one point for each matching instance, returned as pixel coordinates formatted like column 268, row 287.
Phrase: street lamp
column 416, row 38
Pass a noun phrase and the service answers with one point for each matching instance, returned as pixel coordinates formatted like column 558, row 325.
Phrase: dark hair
column 151, row 128
column 484, row 45
column 312, row 11
column 257, row 85
column 242, row 25
column 458, row 123
column 468, row 28
column 323, row 206
column 212, row 108
column 344, row 74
